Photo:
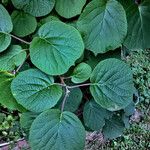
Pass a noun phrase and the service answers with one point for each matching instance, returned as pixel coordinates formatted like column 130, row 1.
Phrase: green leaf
column 12, row 57
column 130, row 109
column 6, row 97
column 94, row 115
column 5, row 41
column 53, row 130
column 112, row 84
column 26, row 120
column 81, row 73
column 73, row 100
column 36, row 8
column 113, row 128
column 5, row 28
column 103, row 25
column 69, row 8
column 23, row 23
column 138, row 17
column 48, row 19
column 35, row 90
column 57, row 48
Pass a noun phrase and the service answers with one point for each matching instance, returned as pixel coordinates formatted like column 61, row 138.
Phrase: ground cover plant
column 61, row 67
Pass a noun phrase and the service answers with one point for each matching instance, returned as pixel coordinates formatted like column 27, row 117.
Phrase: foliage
column 57, row 49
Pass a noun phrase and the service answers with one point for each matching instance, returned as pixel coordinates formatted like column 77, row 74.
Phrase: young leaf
column 5, row 28
column 138, row 17
column 6, row 97
column 113, row 128
column 103, row 25
column 53, row 130
column 35, row 90
column 94, row 115
column 57, row 48
column 112, row 84
column 73, row 100
column 26, row 120
column 81, row 73
column 23, row 23
column 12, row 57
column 36, row 8
column 69, row 8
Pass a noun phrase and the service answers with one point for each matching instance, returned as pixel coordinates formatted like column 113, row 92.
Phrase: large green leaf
column 103, row 25
column 36, row 8
column 57, row 48
column 81, row 73
column 6, row 97
column 94, row 115
column 23, row 23
column 5, row 28
column 112, row 84
column 138, row 17
column 35, row 90
column 53, row 130
column 14, row 56
column 113, row 128
column 69, row 8
column 73, row 100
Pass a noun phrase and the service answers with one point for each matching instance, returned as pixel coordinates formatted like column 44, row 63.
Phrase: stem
column 6, row 144
column 80, row 85
column 65, row 98
column 19, row 39
column 22, row 64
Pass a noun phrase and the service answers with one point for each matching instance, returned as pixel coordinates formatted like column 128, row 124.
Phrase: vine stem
column 22, row 64
column 19, row 39
column 80, row 85
column 65, row 98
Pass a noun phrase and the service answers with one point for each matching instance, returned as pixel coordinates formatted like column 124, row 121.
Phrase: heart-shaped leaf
column 57, row 48
column 53, row 130
column 103, row 25
column 35, row 90
column 112, row 84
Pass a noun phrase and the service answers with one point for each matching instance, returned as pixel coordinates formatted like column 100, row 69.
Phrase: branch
column 65, row 98
column 22, row 64
column 80, row 85
column 19, row 39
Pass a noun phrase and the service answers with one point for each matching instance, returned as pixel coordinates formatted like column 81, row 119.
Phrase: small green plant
column 62, row 68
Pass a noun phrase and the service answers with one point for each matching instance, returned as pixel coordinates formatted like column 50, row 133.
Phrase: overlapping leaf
column 103, row 25
column 6, row 97
column 81, row 73
column 6, row 27
column 35, row 90
column 36, row 8
column 94, row 115
column 57, row 48
column 69, row 8
column 12, row 57
column 23, row 23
